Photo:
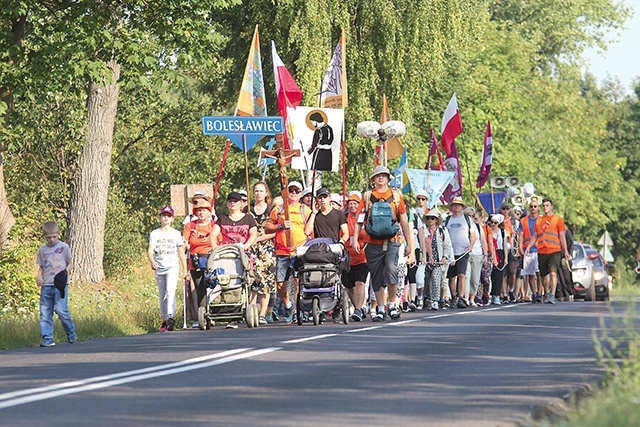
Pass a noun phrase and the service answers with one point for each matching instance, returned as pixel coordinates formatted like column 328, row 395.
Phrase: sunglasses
column 430, row 218
column 421, row 198
column 505, row 208
column 322, row 196
column 495, row 223
column 533, row 206
column 294, row 190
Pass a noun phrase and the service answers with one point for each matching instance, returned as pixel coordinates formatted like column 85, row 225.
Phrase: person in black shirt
column 325, row 220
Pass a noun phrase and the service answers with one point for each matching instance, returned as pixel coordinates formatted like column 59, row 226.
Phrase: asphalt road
column 489, row 366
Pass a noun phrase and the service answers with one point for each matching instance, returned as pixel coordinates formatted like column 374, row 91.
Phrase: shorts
column 530, row 264
column 383, row 265
column 460, row 267
column 357, row 273
column 411, row 274
column 549, row 263
column 515, row 265
column 284, row 268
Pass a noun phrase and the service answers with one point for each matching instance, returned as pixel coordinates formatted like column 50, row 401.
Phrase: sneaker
column 72, row 338
column 288, row 315
column 552, row 299
column 485, row 299
column 512, row 297
column 269, row 318
column 453, row 303
column 545, row 298
column 357, row 315
column 495, row 300
column 171, row 324
column 275, row 315
column 47, row 343
column 163, row 327
column 538, row 298
column 394, row 313
column 232, row 325
column 378, row 317
column 420, row 304
column 461, row 303
column 412, row 306
column 434, row 305
column 262, row 320
column 364, row 310
column 195, row 325
column 405, row 307
column 443, row 304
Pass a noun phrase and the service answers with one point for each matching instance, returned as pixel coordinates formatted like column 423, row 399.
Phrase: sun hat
column 243, row 195
column 295, row 184
column 306, row 191
column 203, row 205
column 434, row 213
column 336, row 198
column 198, row 194
column 422, row 193
column 505, row 205
column 497, row 217
column 355, row 196
column 379, row 170
column 167, row 210
column 458, row 200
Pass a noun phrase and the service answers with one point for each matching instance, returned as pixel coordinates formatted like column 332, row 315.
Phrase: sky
column 622, row 59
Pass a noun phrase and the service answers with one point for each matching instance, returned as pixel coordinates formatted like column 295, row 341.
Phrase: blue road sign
column 253, row 128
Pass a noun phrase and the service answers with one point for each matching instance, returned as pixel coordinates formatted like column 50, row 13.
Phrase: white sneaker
column 420, row 305
column 195, row 325
column 434, row 305
column 394, row 313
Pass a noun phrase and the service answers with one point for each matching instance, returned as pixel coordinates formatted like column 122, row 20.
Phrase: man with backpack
column 463, row 237
column 383, row 213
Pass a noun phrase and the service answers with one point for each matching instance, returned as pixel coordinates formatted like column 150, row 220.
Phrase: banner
column 251, row 100
column 433, row 182
column 316, row 133
column 486, row 158
column 487, row 205
column 333, row 93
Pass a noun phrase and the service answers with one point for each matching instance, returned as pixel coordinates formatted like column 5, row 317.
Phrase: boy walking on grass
column 54, row 262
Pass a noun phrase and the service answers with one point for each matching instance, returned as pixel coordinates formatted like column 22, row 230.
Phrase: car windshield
column 597, row 261
column 578, row 252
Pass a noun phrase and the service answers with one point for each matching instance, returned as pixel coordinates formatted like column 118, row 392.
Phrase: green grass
column 616, row 400
column 127, row 306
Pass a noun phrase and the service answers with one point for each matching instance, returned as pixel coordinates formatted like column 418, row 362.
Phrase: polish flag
column 289, row 93
column 451, row 125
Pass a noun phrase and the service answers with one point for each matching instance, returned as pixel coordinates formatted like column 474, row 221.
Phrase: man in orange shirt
column 286, row 251
column 549, row 237
column 382, row 253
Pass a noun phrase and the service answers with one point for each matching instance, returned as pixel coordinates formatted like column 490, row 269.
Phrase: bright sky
column 622, row 59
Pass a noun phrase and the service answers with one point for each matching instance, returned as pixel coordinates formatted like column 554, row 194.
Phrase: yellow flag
column 394, row 146
column 251, row 100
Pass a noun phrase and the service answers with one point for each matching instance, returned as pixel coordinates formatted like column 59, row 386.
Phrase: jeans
column 50, row 301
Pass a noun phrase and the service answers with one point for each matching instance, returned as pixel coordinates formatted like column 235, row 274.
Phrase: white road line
column 120, row 374
column 316, row 337
column 88, row 386
column 403, row 322
column 370, row 328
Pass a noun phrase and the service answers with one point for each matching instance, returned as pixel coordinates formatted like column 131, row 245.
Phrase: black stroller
column 318, row 268
column 228, row 277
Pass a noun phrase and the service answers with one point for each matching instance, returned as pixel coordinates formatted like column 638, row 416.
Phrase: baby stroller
column 228, row 279
column 318, row 267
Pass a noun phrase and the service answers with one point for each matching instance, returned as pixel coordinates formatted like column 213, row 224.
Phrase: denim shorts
column 284, row 268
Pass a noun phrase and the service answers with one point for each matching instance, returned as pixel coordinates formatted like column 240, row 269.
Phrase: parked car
column 582, row 273
column 601, row 277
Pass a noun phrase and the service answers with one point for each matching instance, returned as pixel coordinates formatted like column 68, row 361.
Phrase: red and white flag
column 289, row 93
column 451, row 125
column 486, row 158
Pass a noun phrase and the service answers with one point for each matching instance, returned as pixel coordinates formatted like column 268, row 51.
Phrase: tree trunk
column 90, row 186
column 7, row 220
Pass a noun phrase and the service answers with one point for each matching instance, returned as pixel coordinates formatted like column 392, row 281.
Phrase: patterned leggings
column 433, row 282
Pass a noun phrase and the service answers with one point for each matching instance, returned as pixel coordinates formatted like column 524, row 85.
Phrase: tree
column 93, row 41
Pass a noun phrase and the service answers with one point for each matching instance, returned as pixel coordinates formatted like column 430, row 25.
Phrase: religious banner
column 316, row 133
column 432, row 181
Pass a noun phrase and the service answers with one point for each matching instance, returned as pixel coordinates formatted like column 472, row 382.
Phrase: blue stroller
column 318, row 268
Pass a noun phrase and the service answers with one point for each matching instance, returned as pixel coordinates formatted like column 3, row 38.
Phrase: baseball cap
column 167, row 210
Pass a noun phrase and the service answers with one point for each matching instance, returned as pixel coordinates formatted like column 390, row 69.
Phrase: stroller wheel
column 315, row 310
column 344, row 301
column 250, row 316
column 202, row 319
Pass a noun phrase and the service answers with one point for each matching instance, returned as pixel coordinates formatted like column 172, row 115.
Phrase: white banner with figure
column 316, row 132
column 434, row 182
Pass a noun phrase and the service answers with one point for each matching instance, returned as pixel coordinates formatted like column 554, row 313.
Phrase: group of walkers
column 399, row 255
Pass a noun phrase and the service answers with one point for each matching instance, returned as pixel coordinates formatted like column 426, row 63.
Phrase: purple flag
column 487, row 157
